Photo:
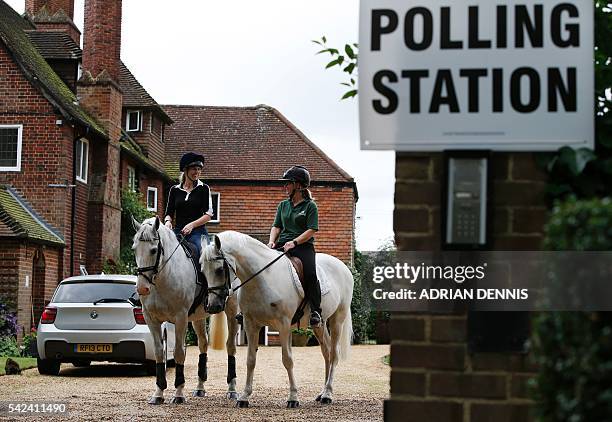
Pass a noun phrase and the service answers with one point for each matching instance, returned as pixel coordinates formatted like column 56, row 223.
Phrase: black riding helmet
column 191, row 159
column 297, row 174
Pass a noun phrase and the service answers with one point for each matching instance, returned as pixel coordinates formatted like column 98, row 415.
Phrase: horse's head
column 219, row 271
column 147, row 250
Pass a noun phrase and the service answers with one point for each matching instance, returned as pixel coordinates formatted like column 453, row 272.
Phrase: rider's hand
column 271, row 245
column 187, row 229
column 289, row 245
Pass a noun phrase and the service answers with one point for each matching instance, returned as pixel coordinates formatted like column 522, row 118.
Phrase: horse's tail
column 346, row 336
column 218, row 331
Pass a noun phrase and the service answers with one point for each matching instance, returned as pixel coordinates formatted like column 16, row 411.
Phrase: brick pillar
column 433, row 374
column 102, row 38
column 101, row 96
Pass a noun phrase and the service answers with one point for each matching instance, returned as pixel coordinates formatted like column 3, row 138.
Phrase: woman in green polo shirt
column 297, row 220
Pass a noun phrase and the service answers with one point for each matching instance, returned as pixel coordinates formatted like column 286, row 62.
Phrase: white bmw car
column 97, row 318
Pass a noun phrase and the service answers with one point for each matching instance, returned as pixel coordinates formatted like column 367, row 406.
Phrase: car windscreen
column 91, row 292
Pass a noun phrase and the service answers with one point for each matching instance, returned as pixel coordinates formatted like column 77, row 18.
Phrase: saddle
column 201, row 283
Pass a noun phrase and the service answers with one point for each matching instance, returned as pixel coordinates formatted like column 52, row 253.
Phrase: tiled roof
column 244, row 143
column 38, row 71
column 55, row 45
column 134, row 94
column 17, row 219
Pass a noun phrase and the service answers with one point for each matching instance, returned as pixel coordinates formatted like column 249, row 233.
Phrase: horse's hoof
column 199, row 393
column 178, row 400
column 318, row 398
column 156, row 400
column 242, row 404
column 326, row 400
column 232, row 395
column 292, row 404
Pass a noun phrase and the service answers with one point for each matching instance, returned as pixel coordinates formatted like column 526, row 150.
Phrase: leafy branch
column 345, row 60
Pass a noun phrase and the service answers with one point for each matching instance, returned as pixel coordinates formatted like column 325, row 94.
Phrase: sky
column 244, row 53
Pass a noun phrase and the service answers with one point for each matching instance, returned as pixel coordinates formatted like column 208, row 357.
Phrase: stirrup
column 315, row 319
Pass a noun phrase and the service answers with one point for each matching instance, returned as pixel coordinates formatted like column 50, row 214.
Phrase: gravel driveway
column 119, row 392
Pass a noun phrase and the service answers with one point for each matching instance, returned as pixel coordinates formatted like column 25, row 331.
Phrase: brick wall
column 149, row 137
column 46, row 156
column 433, row 376
column 251, row 209
column 16, row 264
column 145, row 180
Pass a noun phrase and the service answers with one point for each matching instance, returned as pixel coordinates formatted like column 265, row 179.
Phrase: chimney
column 100, row 95
column 33, row 7
column 53, row 16
column 102, row 42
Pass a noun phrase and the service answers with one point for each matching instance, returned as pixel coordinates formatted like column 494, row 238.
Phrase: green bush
column 574, row 349
column 132, row 205
column 9, row 347
column 27, row 343
column 191, row 338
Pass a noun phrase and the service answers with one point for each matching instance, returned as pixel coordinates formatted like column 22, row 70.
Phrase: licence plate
column 93, row 348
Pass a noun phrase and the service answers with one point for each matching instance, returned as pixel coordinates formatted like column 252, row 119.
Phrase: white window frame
column 139, row 120
column 130, row 186
column 19, row 144
column 79, row 168
column 152, row 189
column 218, row 220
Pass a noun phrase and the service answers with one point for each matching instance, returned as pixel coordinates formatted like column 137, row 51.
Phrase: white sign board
column 479, row 74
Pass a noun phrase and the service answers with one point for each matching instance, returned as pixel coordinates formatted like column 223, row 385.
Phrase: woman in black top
column 189, row 202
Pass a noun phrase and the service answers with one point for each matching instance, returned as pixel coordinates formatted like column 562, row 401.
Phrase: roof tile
column 244, row 143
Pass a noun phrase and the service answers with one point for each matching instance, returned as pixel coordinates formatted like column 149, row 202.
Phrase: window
column 151, row 198
column 10, row 147
column 133, row 121
column 131, row 178
column 81, row 156
column 216, row 200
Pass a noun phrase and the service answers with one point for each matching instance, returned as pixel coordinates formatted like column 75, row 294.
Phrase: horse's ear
column 217, row 243
column 204, row 241
column 157, row 222
column 135, row 223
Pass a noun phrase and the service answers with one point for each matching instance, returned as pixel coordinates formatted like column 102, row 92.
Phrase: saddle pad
column 324, row 280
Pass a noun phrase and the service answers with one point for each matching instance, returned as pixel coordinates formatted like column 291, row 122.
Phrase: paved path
column 119, row 392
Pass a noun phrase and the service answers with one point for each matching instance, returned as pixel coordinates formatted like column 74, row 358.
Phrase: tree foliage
column 345, row 59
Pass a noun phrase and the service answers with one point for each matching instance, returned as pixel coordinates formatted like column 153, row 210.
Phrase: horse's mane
column 232, row 242
column 147, row 232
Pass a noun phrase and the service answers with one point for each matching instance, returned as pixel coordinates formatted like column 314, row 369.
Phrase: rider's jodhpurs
column 312, row 290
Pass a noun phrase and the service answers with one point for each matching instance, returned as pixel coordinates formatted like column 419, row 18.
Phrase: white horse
column 272, row 299
column 166, row 285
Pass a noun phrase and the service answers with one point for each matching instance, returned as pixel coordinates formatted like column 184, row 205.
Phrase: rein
column 225, row 263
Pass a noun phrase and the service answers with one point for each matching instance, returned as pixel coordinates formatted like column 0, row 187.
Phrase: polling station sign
column 479, row 74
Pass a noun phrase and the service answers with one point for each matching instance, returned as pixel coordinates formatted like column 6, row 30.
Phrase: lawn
column 24, row 363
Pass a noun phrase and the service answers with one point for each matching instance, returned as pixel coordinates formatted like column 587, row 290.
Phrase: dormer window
column 133, row 121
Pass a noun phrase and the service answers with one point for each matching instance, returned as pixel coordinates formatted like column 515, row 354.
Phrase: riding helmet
column 191, row 159
column 297, row 174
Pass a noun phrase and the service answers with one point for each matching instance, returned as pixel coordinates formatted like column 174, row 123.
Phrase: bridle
column 224, row 290
column 155, row 267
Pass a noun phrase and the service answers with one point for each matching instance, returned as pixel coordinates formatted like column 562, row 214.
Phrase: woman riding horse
column 190, row 202
column 296, row 222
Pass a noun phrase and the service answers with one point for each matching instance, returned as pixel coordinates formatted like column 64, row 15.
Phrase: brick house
column 247, row 149
column 76, row 127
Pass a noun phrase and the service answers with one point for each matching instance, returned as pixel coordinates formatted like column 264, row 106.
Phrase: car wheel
column 48, row 366
column 81, row 363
